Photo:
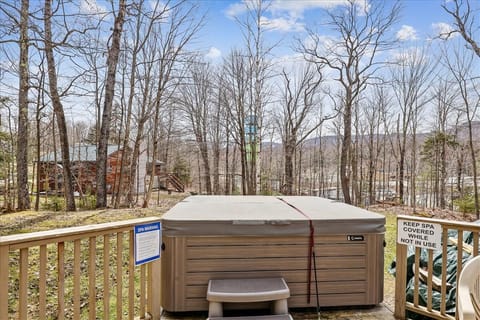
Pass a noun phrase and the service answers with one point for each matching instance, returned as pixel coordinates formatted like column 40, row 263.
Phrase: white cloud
column 92, row 7
column 282, row 24
column 296, row 8
column 407, row 33
column 213, row 53
column 443, row 30
column 411, row 56
column 286, row 15
column 236, row 9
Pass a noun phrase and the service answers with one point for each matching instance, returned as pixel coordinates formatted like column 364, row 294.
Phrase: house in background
column 83, row 159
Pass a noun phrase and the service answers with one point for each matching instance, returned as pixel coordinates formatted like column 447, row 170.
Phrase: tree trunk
column 206, row 167
column 289, row 151
column 227, row 165
column 22, row 136
column 58, row 109
column 345, row 150
column 112, row 62
column 216, row 168
column 474, row 168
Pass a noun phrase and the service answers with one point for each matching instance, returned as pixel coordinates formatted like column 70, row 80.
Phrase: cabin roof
column 84, row 152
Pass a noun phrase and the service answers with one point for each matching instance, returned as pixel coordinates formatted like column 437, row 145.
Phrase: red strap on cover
column 311, row 245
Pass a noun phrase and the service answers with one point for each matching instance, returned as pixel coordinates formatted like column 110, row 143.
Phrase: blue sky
column 420, row 20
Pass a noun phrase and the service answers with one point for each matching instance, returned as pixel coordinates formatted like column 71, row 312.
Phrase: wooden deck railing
column 83, row 272
column 434, row 282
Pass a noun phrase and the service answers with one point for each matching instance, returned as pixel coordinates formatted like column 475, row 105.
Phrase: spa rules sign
column 147, row 242
column 419, row 234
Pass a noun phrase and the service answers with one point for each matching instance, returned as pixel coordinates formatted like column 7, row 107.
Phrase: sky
column 420, row 20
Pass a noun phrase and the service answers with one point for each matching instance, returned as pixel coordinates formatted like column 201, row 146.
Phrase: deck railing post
column 400, row 281
column 4, row 266
column 155, row 289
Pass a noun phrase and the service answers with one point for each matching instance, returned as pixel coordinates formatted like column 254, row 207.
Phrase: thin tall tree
column 58, row 109
column 112, row 61
column 22, row 135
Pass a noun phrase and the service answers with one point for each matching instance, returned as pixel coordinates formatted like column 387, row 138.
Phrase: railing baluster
column 475, row 244
column 106, row 277
column 76, row 279
column 23, row 284
column 61, row 279
column 430, row 280
column 459, row 252
column 131, row 277
column 400, row 281
column 156, row 292
column 443, row 303
column 142, row 290
column 119, row 275
column 417, row 278
column 92, row 291
column 4, row 265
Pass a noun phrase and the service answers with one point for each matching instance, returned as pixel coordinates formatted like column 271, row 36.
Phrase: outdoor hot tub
column 225, row 237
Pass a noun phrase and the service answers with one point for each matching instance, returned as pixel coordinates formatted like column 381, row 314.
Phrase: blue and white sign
column 147, row 242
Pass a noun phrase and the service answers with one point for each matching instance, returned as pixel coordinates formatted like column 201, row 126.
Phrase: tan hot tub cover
column 267, row 215
column 218, row 237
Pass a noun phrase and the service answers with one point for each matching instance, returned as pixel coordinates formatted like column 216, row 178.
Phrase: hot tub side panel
column 349, row 272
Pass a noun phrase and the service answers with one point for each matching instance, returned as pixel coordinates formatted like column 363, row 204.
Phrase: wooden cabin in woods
column 83, row 159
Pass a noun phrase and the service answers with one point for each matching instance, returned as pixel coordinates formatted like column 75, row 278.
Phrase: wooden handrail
column 72, row 232
column 99, row 261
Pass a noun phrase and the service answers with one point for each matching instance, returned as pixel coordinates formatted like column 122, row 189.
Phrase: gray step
column 247, row 290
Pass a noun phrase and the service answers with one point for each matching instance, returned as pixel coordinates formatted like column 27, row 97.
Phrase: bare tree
column 39, row 114
column 235, row 81
column 140, row 30
column 444, row 99
column 173, row 36
column 196, row 103
column 112, row 60
column 375, row 110
column 257, row 51
column 464, row 21
column 58, row 109
column 362, row 35
column 461, row 64
column 217, row 132
column 300, row 114
column 7, row 154
column 411, row 78
column 22, row 134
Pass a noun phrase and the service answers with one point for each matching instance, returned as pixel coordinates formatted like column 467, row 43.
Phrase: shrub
column 54, row 204
column 88, row 202
column 465, row 204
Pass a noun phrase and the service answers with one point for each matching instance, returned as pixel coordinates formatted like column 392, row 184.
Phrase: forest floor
column 31, row 221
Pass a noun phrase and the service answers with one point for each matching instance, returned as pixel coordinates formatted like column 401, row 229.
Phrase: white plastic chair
column 468, row 292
